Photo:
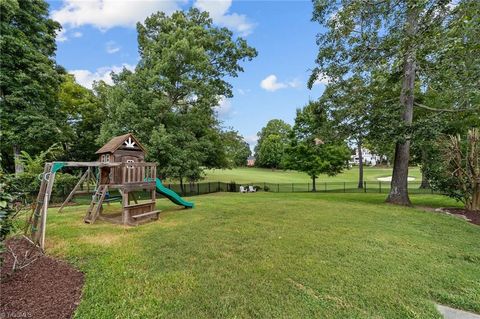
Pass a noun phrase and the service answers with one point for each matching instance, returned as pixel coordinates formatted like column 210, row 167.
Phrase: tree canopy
column 269, row 151
column 313, row 148
column 29, row 79
column 169, row 101
column 403, row 49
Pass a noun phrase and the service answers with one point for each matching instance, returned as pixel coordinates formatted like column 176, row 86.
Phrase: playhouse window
column 105, row 158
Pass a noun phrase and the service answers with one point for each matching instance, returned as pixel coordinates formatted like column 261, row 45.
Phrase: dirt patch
column 42, row 287
column 101, row 240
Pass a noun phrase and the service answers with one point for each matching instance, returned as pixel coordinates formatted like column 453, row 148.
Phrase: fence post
column 218, row 186
column 380, row 187
column 325, row 187
column 209, row 187
column 308, row 187
column 198, row 189
column 365, row 186
column 293, row 188
column 278, row 188
column 344, row 187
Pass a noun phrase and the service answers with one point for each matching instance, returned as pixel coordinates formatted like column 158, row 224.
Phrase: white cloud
column 77, row 34
column 252, row 140
column 86, row 77
column 271, row 83
column 62, row 36
column 106, row 14
column 295, row 83
column 111, row 47
column 218, row 10
column 224, row 108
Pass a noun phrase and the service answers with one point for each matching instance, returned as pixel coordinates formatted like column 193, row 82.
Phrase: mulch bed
column 474, row 217
column 44, row 288
column 470, row 216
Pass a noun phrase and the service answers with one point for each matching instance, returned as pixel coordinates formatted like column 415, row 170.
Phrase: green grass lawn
column 250, row 174
column 267, row 255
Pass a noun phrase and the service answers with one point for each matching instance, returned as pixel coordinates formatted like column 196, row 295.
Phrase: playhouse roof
column 118, row 141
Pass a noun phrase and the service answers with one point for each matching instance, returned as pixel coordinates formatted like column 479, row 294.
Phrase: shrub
column 457, row 174
column 8, row 210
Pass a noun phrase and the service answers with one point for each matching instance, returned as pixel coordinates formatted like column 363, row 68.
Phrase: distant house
column 251, row 161
column 369, row 158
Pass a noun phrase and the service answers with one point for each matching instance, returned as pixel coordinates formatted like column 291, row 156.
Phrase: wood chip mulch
column 470, row 216
column 41, row 287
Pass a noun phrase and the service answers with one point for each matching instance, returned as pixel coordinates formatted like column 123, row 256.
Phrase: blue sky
column 100, row 36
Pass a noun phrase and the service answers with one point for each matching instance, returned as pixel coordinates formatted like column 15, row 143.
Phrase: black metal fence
column 194, row 189
column 325, row 187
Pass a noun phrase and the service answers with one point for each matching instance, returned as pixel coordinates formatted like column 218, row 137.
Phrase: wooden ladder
column 96, row 204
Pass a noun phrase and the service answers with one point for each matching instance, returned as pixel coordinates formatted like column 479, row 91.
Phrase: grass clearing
column 275, row 255
column 254, row 174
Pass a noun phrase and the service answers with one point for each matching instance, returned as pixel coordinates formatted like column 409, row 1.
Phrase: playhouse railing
column 137, row 172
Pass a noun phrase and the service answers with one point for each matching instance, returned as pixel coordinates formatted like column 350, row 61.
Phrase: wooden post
column 37, row 211
column 125, row 211
column 48, row 191
column 69, row 197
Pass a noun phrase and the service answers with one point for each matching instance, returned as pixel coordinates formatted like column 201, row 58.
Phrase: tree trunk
column 399, row 185
column 425, row 183
column 475, row 201
column 314, row 187
column 360, row 164
column 16, row 156
column 182, row 188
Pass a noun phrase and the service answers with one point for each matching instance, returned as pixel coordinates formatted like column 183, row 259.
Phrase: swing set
column 121, row 167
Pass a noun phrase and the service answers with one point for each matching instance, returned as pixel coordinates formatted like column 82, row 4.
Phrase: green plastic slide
column 171, row 195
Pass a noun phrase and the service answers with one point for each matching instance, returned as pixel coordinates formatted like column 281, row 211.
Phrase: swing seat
column 112, row 199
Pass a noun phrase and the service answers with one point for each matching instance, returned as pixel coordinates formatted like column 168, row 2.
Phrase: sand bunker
column 389, row 179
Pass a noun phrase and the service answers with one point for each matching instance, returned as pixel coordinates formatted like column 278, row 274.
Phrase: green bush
column 7, row 211
column 64, row 183
column 29, row 184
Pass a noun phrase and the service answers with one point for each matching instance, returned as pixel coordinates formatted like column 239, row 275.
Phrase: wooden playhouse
column 124, row 169
column 121, row 168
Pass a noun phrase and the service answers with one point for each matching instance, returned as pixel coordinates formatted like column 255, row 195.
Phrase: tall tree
column 312, row 148
column 84, row 114
column 169, row 101
column 265, row 158
column 349, row 107
column 398, row 38
column 28, row 78
column 272, row 151
column 237, row 150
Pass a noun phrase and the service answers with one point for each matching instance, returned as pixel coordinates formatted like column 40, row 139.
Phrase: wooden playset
column 121, row 167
